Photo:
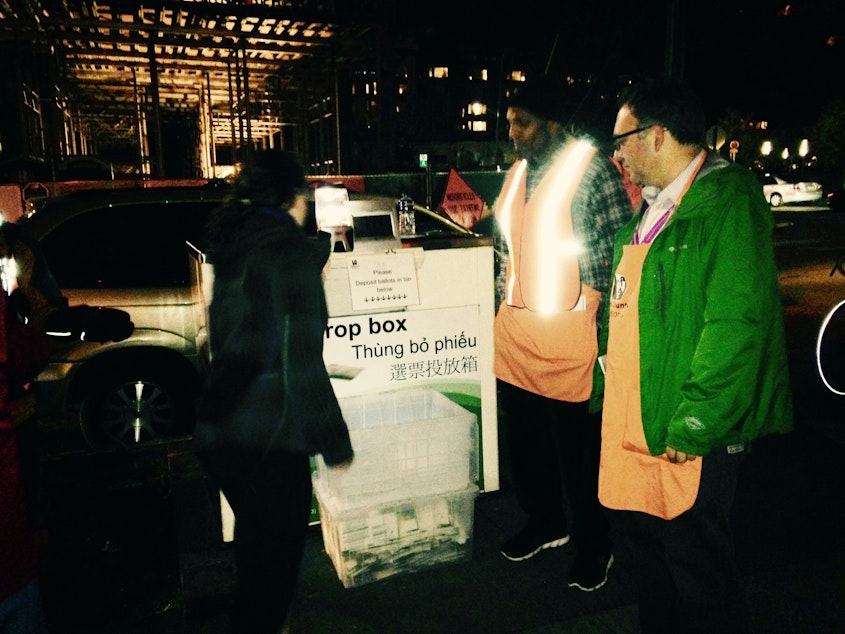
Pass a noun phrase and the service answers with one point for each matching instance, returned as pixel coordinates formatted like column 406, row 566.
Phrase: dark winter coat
column 267, row 323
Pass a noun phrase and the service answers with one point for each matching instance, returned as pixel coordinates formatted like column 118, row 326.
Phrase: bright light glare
column 9, row 273
column 553, row 238
column 552, row 250
column 766, row 148
column 804, row 148
column 505, row 220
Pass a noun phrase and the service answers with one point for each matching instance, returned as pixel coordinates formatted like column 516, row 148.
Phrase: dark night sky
column 753, row 56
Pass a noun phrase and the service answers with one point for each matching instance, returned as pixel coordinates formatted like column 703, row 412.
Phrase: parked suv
column 130, row 249
column 126, row 248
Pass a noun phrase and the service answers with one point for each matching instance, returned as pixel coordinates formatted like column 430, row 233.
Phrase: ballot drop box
column 409, row 350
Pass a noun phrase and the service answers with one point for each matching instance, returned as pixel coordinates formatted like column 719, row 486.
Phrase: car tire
column 776, row 200
column 131, row 408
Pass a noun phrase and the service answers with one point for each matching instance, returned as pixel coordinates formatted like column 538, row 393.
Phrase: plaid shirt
column 600, row 207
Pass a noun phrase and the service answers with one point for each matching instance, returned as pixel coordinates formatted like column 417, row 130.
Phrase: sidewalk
column 138, row 554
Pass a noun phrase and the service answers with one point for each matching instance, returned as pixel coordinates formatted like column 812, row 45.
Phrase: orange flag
column 460, row 202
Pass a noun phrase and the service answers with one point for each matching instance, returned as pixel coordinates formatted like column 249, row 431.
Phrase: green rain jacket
column 713, row 362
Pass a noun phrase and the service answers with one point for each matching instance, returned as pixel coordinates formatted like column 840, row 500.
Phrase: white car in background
column 778, row 191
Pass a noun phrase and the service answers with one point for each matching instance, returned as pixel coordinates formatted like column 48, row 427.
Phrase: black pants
column 688, row 576
column 272, row 507
column 554, row 449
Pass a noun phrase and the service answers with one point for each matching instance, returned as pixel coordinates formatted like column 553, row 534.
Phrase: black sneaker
column 528, row 542
column 589, row 573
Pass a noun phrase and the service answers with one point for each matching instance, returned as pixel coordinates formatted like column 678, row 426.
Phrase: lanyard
column 651, row 233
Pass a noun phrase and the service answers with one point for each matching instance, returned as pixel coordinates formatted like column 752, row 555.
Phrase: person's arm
column 308, row 379
column 740, row 287
column 599, row 215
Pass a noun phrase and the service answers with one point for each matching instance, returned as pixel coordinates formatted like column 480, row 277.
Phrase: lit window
column 477, row 109
column 439, row 72
column 478, row 126
column 483, row 74
column 517, row 75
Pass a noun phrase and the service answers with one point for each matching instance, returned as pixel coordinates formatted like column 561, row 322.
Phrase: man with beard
column 558, row 211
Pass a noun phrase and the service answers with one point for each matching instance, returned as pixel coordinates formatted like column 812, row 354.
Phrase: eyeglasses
column 618, row 139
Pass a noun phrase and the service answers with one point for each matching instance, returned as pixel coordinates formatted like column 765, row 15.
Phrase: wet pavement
column 110, row 555
column 133, row 546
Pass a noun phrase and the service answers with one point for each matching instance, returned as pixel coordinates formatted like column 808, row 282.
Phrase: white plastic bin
column 407, row 444
column 366, row 544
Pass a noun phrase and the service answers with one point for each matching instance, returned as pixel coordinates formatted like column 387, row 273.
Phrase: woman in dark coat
column 267, row 404
column 23, row 354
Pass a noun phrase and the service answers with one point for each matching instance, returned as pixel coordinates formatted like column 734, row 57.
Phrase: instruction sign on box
column 383, row 281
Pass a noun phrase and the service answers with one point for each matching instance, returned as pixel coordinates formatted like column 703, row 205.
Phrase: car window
column 138, row 245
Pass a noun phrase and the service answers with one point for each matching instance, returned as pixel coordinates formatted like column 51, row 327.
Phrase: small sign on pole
column 461, row 202
column 733, row 149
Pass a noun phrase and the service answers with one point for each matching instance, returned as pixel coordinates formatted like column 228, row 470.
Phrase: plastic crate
column 384, row 540
column 407, row 444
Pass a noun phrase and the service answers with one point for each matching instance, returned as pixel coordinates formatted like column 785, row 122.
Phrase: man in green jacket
column 695, row 365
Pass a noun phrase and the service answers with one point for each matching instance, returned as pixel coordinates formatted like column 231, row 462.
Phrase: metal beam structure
column 248, row 68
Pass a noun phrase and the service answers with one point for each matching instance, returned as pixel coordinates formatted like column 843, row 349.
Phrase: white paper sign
column 383, row 281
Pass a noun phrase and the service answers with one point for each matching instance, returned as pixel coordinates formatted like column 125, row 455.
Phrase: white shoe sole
column 552, row 544
column 575, row 584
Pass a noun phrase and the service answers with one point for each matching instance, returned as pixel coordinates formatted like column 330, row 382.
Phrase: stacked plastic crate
column 407, row 501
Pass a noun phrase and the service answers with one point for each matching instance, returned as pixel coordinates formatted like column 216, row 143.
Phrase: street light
column 803, row 149
column 785, row 156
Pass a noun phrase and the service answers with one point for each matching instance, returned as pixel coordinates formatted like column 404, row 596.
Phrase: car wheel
column 130, row 410
column 776, row 200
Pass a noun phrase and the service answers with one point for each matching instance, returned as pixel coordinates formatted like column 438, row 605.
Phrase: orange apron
column 630, row 478
column 551, row 356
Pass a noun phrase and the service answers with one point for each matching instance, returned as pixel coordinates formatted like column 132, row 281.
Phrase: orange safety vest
column 545, row 330
column 542, row 273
